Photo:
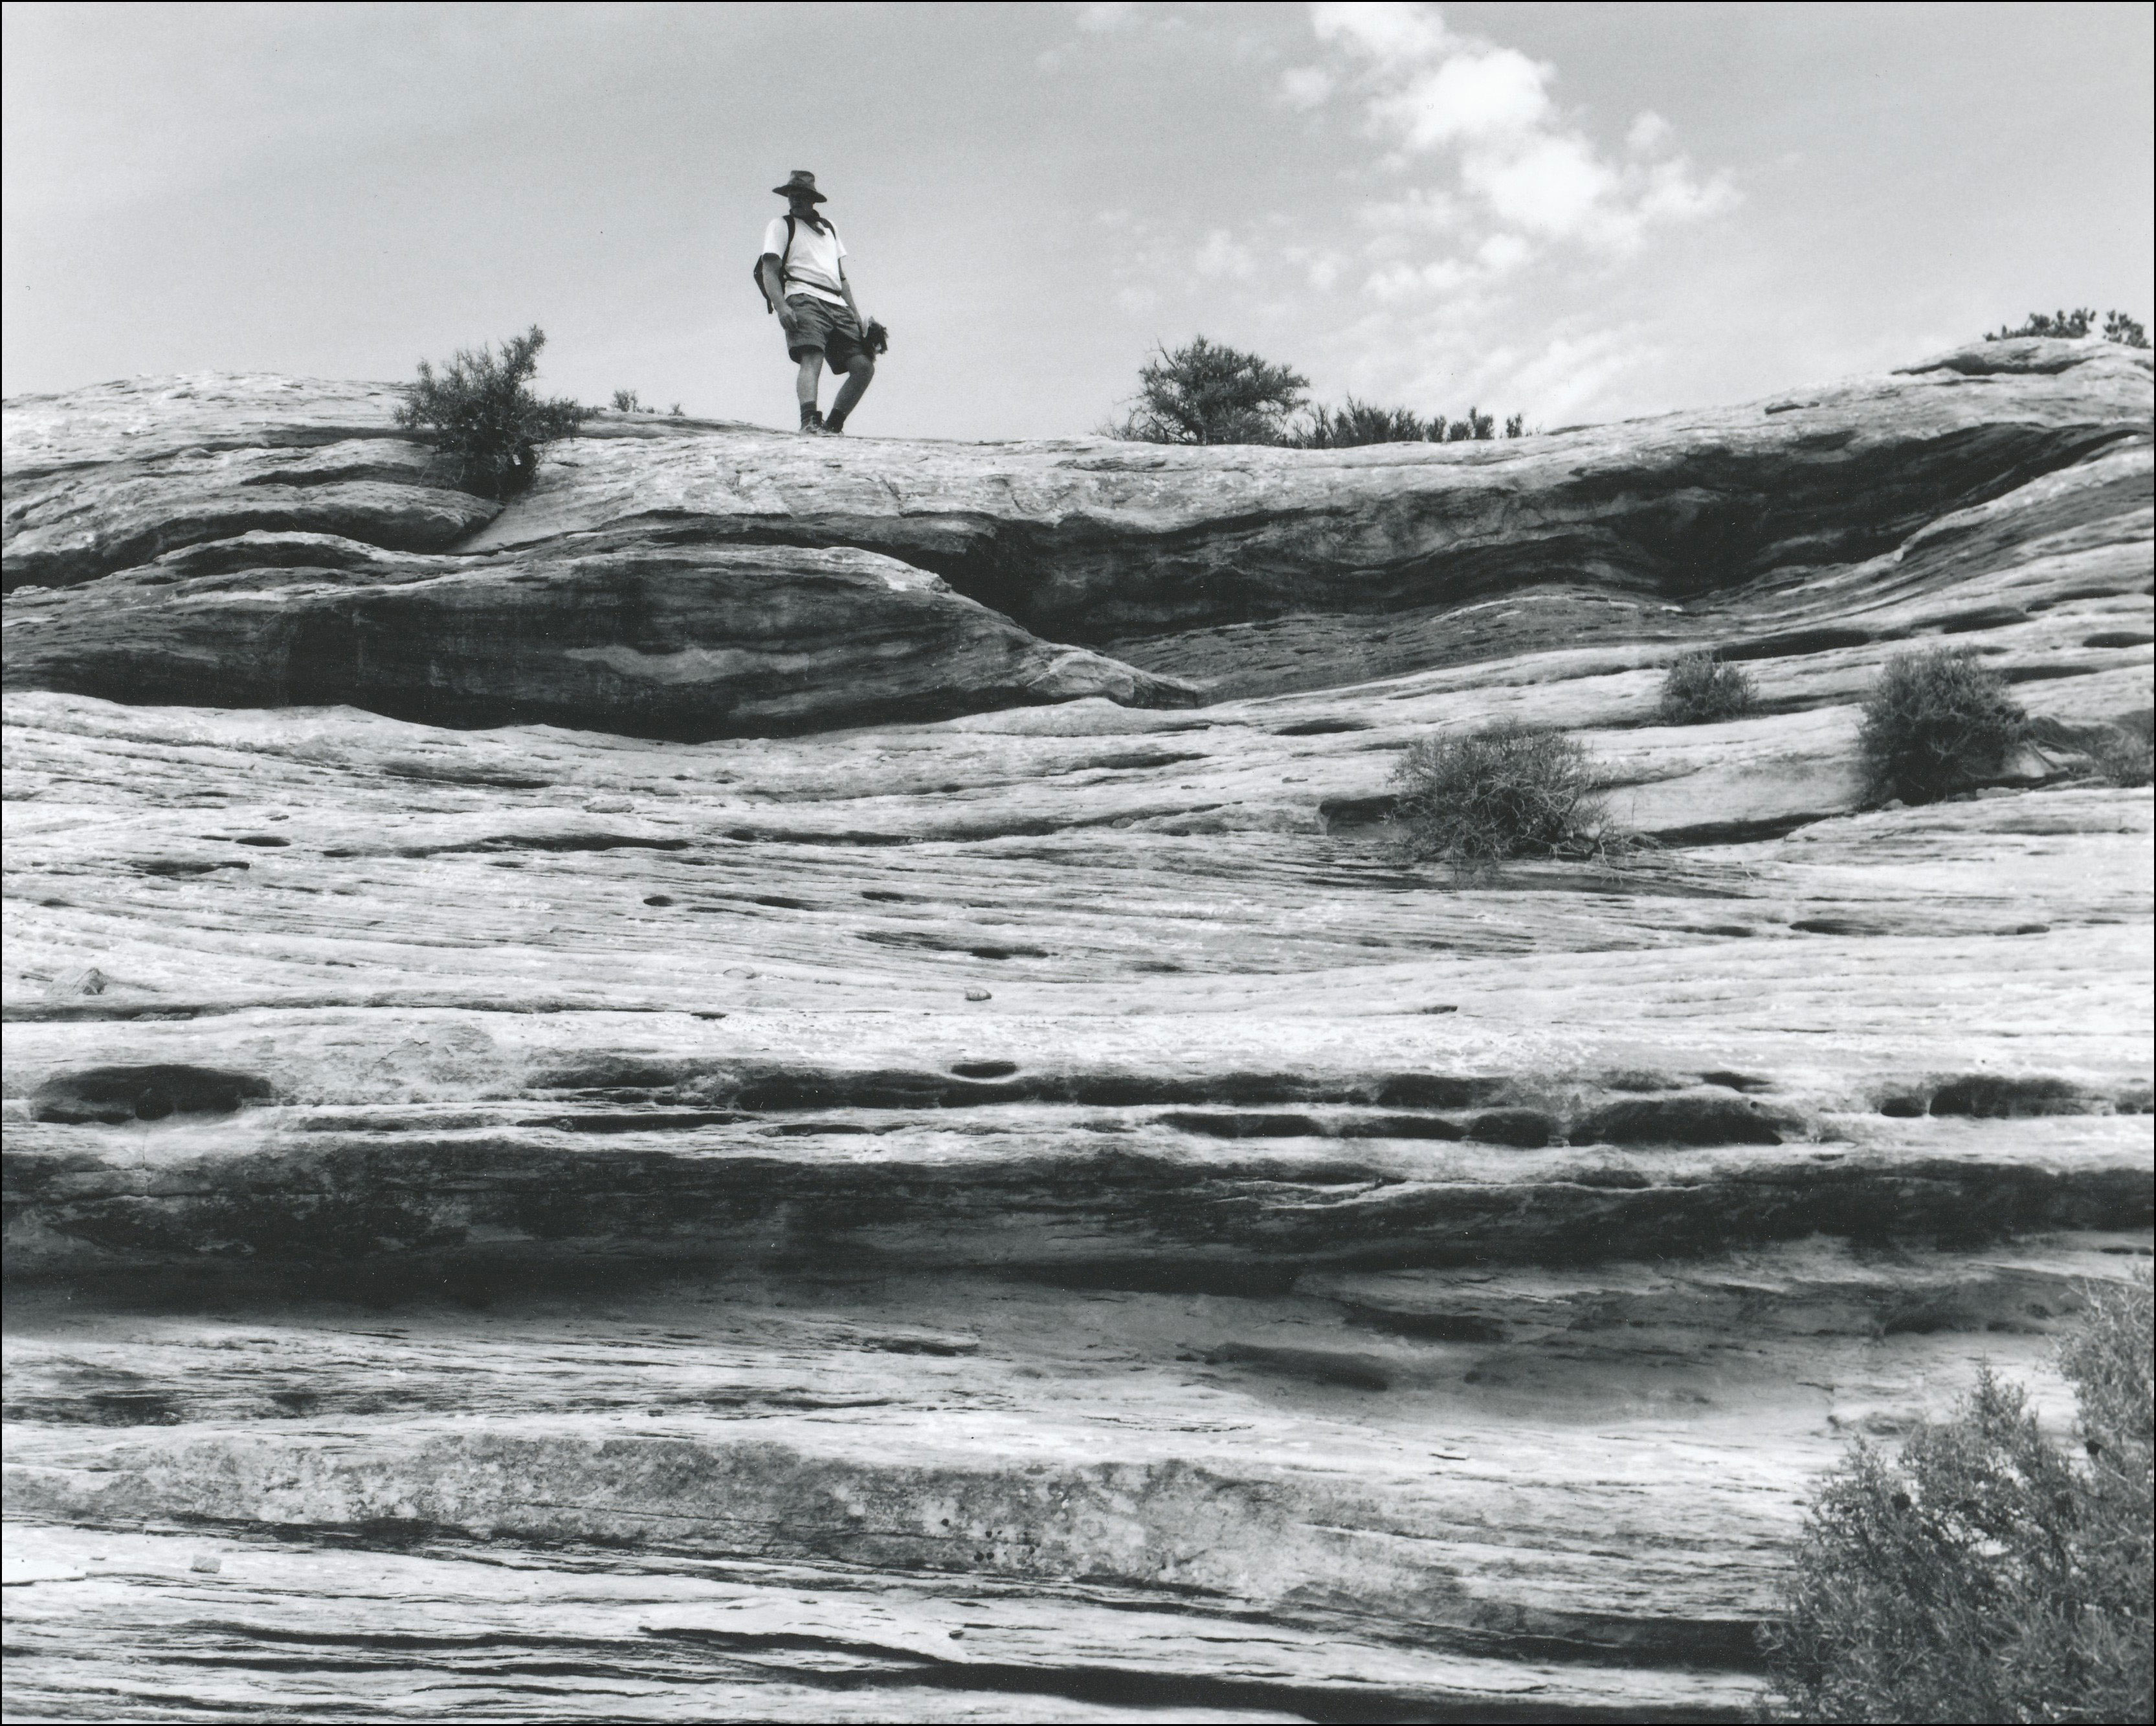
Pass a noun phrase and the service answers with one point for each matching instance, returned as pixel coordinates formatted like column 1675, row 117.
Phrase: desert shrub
column 1474, row 799
column 2074, row 325
column 1354, row 423
column 2125, row 753
column 627, row 400
column 490, row 429
column 2125, row 331
column 1699, row 689
column 1986, row 1574
column 2119, row 752
column 1936, row 721
column 1204, row 393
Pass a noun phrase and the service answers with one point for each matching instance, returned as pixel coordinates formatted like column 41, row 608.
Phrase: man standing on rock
column 804, row 273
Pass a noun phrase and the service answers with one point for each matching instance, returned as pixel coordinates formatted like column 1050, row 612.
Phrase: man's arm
column 846, row 287
column 774, row 284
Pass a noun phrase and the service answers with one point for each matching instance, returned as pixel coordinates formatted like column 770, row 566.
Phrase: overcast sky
column 1576, row 212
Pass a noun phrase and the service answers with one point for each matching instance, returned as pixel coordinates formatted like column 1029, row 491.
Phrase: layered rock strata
column 1037, row 1214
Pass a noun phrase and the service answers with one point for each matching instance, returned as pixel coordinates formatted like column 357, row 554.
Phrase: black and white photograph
column 1086, row 863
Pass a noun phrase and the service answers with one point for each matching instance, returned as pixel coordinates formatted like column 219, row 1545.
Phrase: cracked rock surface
column 799, row 1080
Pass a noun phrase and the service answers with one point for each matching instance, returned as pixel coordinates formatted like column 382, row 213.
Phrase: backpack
column 756, row 269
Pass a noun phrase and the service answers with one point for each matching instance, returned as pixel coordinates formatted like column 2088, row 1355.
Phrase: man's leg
column 806, row 382
column 861, row 373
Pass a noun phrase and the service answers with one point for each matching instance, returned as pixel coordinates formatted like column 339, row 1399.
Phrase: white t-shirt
column 812, row 267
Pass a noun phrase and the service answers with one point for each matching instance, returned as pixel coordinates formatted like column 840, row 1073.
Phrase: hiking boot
column 836, row 424
column 812, row 419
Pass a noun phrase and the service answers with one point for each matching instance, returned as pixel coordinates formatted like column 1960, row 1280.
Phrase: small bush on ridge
column 1935, row 722
column 2073, row 325
column 1986, row 1574
column 1476, row 799
column 1206, row 393
column 1354, row 424
column 488, row 426
column 1700, row 689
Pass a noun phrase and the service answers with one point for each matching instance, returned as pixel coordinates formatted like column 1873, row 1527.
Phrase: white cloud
column 1487, row 113
column 1503, row 252
column 1417, row 211
column 1391, row 284
column 1500, row 203
column 1222, row 256
column 1649, row 133
column 1673, row 194
column 1572, row 370
column 1551, row 185
column 1467, row 95
column 1105, row 15
column 1379, row 30
column 1306, row 86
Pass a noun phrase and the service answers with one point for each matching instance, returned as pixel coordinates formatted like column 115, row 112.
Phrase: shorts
column 820, row 325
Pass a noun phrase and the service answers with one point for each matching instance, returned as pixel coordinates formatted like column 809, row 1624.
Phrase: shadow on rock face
column 111, row 1095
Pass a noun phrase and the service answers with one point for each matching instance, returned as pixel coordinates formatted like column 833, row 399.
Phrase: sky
column 1578, row 213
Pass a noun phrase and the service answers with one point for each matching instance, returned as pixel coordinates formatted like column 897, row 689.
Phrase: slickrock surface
column 1023, row 1207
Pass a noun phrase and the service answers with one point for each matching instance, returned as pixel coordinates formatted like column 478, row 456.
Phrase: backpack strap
column 768, row 307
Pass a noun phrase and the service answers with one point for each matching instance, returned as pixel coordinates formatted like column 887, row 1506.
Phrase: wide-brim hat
column 801, row 184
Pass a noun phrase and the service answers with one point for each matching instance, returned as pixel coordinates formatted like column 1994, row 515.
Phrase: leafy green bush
column 1204, row 393
column 488, row 426
column 1476, row 799
column 1986, row 1574
column 1935, row 722
column 2074, row 325
column 1700, row 689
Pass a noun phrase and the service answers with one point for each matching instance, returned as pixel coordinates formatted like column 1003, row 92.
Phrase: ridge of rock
column 238, row 540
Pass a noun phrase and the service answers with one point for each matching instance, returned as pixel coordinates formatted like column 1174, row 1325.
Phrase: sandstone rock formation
column 662, row 1205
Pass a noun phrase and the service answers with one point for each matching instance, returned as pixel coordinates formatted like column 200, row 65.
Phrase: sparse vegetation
column 1477, row 798
column 489, row 428
column 2073, row 325
column 2125, row 752
column 1354, row 423
column 626, row 401
column 1700, row 689
column 1204, row 393
column 2121, row 752
column 1936, row 722
column 1986, row 1573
